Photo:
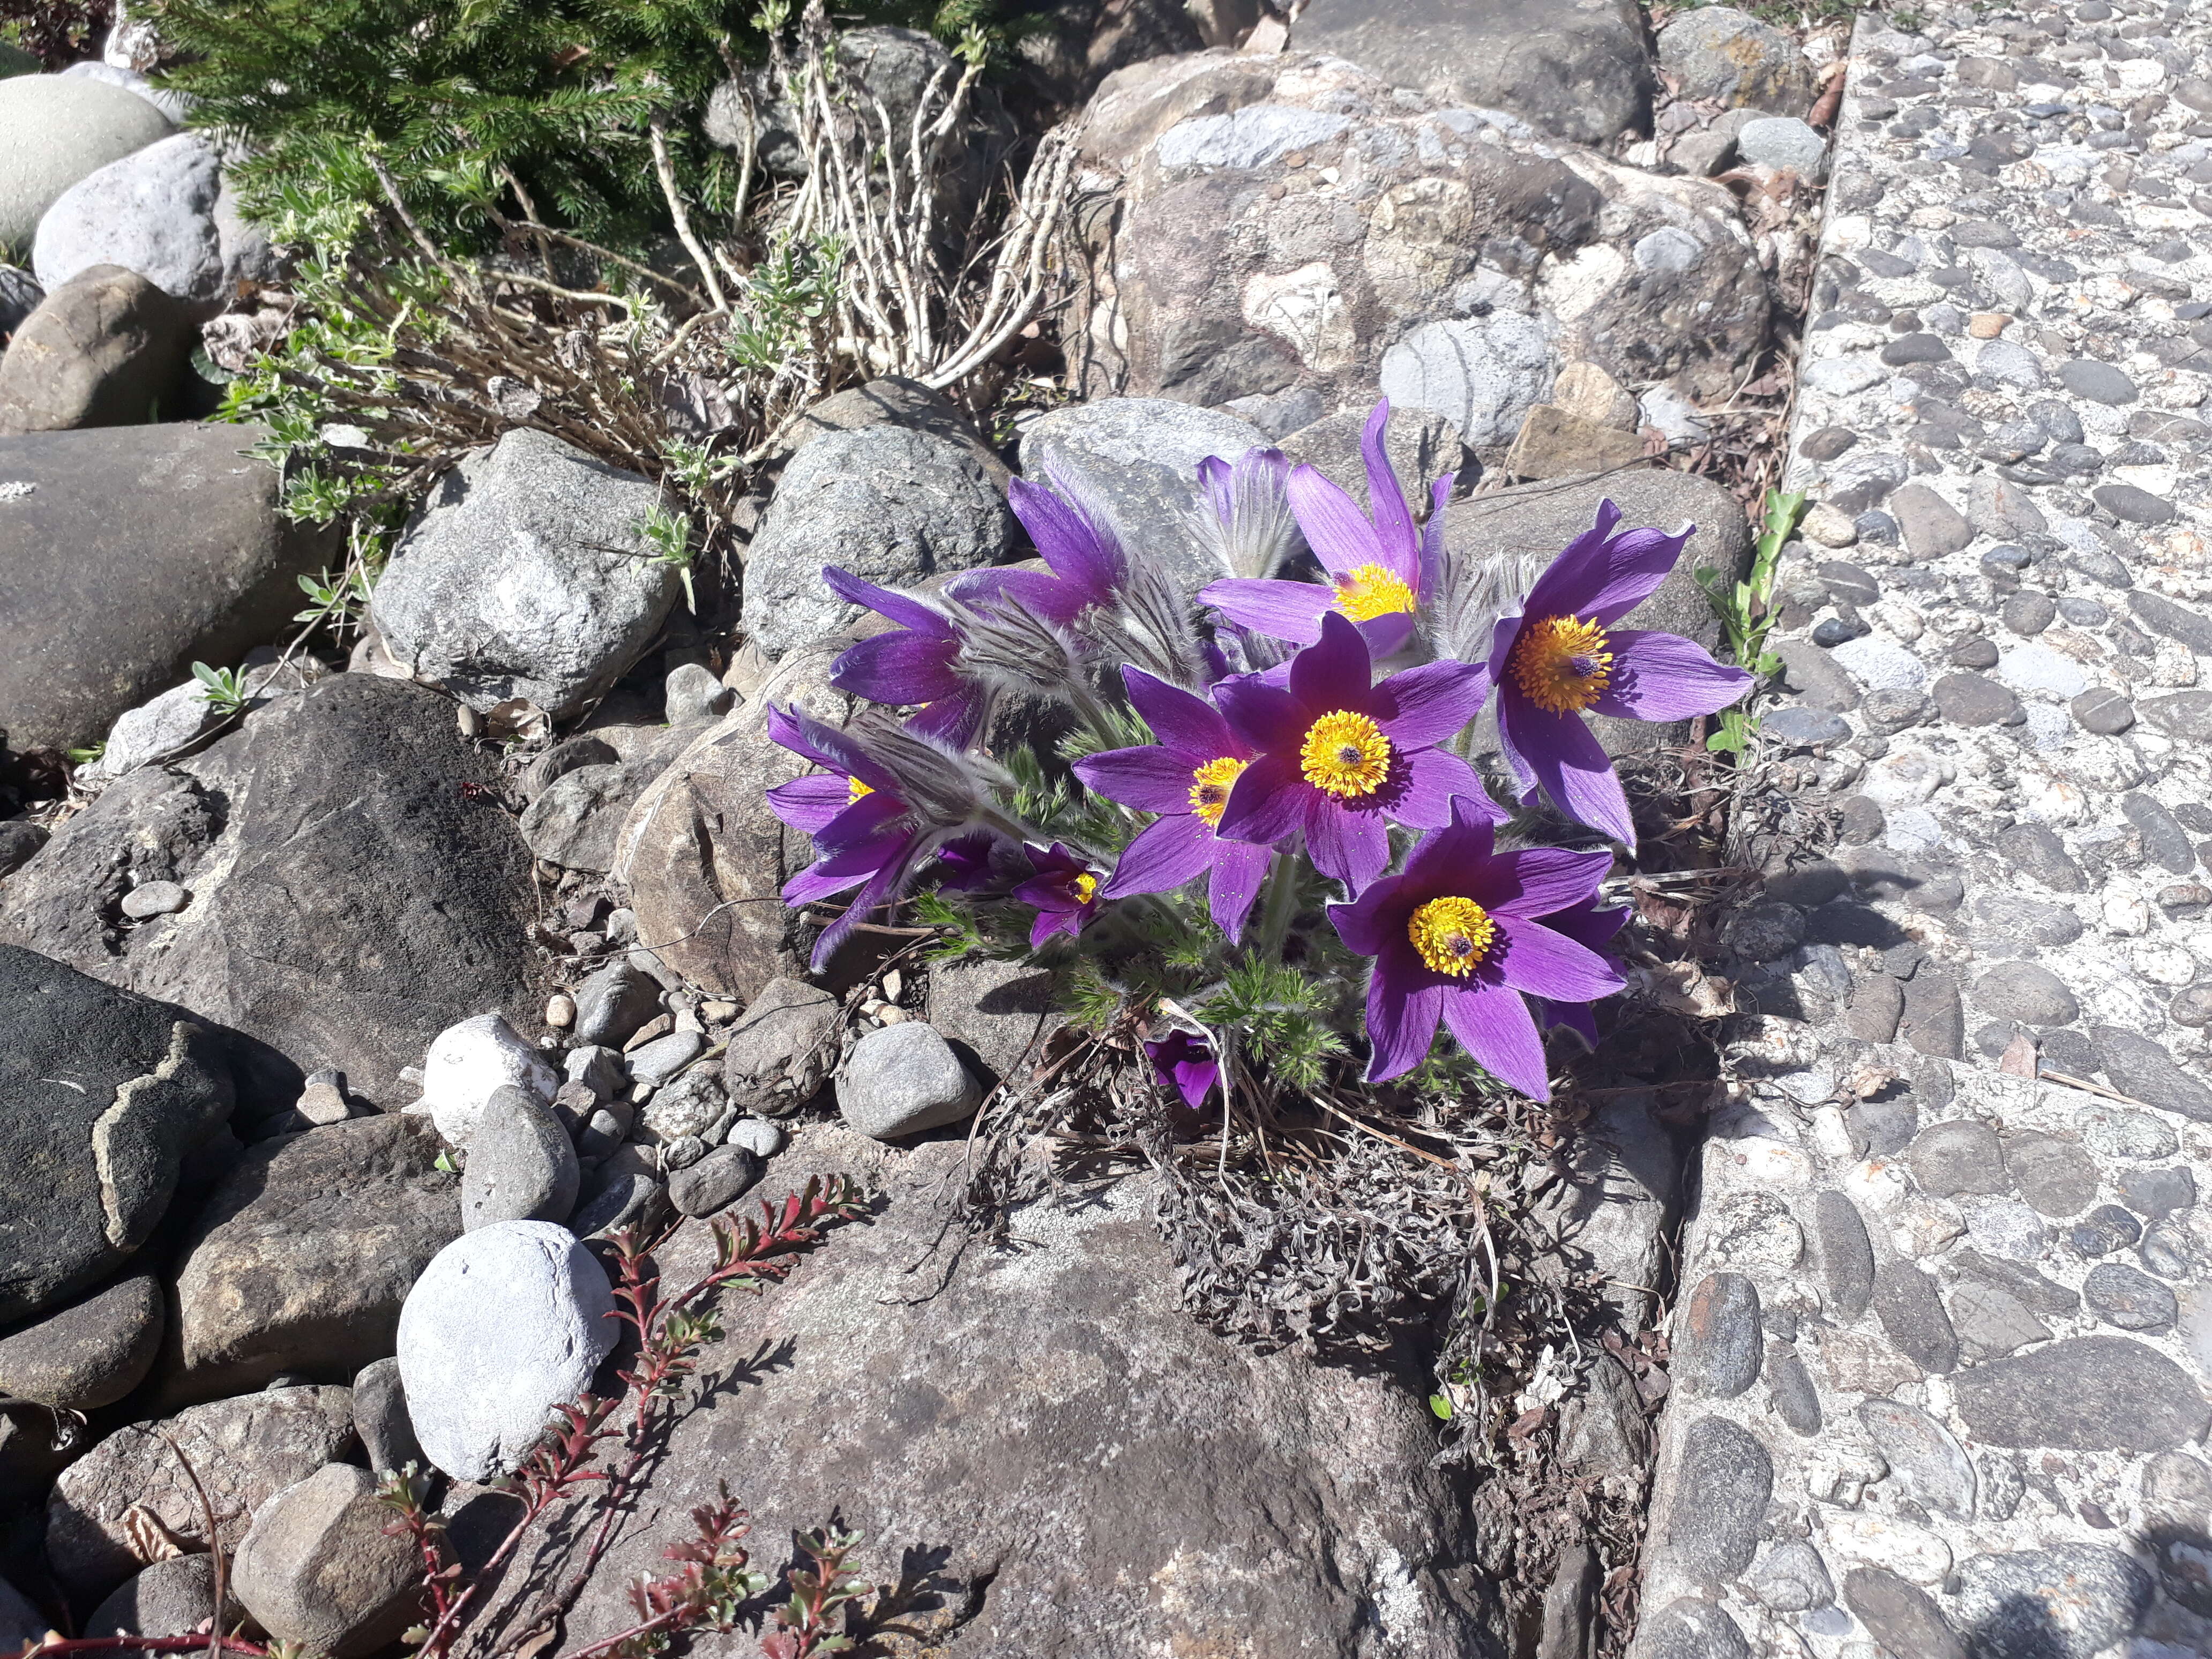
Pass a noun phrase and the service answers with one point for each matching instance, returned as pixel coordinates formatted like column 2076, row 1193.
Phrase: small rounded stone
column 560, row 1010
column 155, row 899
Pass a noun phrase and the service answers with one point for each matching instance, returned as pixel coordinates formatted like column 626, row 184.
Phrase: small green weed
column 220, row 688
column 1745, row 610
column 668, row 534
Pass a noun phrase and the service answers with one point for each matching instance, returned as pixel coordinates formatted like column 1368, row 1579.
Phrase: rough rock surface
column 54, row 130
column 169, row 1598
column 103, row 349
column 1292, row 226
column 1988, row 1342
column 1579, row 71
column 508, row 1323
column 271, row 830
column 1091, row 1456
column 525, row 575
column 902, row 1080
column 300, row 1259
column 244, row 1450
column 104, row 1095
column 164, row 213
column 891, row 504
column 177, row 553
column 88, row 1355
column 467, row 1066
column 320, row 1567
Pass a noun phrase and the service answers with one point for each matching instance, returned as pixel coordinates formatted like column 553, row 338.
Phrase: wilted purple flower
column 1593, row 928
column 907, row 793
column 1562, row 657
column 1185, row 1064
column 1243, row 517
column 1065, row 892
column 1379, row 566
column 1186, row 778
column 1459, row 937
column 1340, row 755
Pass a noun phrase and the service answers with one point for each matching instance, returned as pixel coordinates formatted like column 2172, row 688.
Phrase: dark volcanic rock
column 176, row 553
column 302, row 1256
column 88, row 1355
column 103, row 1097
column 1721, row 1493
column 1057, row 1424
column 336, row 924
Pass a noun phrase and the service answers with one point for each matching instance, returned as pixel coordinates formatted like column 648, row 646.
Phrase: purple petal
column 898, row 667
column 1542, row 879
column 1267, row 802
column 1432, row 538
column 809, row 803
column 1281, row 610
column 901, row 608
column 887, row 885
column 953, row 720
column 1045, row 596
column 1550, row 965
column 864, row 820
column 1376, row 917
column 1565, row 760
column 1166, row 853
column 784, row 729
column 1049, row 922
column 846, row 869
column 1637, row 561
column 827, row 746
column 1429, row 781
column 1402, row 1011
column 1335, row 528
column 1577, row 1016
column 1267, row 717
column 1214, row 480
column 1571, row 581
column 1189, row 724
column 1386, row 500
column 1350, row 845
column 1238, row 870
column 1337, row 673
column 1453, row 859
column 1494, row 1025
column 1385, row 634
column 1664, row 677
column 1588, row 925
column 1070, row 542
column 1429, row 703
column 1150, row 779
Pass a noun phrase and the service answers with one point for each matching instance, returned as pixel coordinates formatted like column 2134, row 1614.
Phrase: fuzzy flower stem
column 1282, row 905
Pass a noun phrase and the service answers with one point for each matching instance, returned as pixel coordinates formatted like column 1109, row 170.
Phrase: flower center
column 1084, row 886
column 1210, row 786
column 854, row 789
column 1346, row 754
column 1372, row 591
column 1560, row 664
column 1452, row 934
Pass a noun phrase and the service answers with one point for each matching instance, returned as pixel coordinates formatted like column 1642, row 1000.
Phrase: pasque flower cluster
column 1291, row 719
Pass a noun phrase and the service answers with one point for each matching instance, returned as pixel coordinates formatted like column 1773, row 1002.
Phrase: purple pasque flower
column 1461, row 937
column 1562, row 657
column 1594, row 929
column 1185, row 1064
column 922, row 660
column 1244, row 515
column 1379, row 566
column 906, row 792
column 1340, row 756
column 1185, row 777
column 1064, row 890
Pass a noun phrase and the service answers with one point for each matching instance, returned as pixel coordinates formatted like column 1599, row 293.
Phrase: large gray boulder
column 177, row 553
column 104, row 349
column 331, row 923
column 244, row 1450
column 104, row 1097
column 299, row 1261
column 164, row 213
column 1736, row 60
column 1052, row 1417
column 56, row 129
column 1287, row 223
column 509, row 1321
column 1578, row 70
column 887, row 504
column 527, row 573
column 321, row 1567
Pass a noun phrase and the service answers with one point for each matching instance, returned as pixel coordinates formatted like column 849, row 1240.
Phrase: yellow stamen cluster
column 1345, row 754
column 1452, row 934
column 1210, row 786
column 1084, row 886
column 854, row 789
column 1561, row 664
column 1372, row 591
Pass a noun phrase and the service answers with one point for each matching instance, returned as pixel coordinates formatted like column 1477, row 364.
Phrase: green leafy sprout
column 221, row 688
column 1746, row 609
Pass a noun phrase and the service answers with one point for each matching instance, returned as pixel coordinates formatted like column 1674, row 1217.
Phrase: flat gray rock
column 2086, row 1394
column 902, row 1080
column 90, row 1354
